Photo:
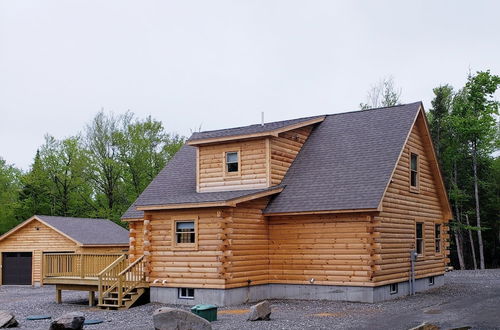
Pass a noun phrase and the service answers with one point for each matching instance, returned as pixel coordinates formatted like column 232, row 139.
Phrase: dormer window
column 232, row 162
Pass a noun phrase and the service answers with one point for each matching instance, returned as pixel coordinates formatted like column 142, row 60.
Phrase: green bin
column 208, row 312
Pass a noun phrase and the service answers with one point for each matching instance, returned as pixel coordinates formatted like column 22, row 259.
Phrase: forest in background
column 100, row 172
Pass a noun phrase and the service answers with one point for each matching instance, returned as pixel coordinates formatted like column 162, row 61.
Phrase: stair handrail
column 130, row 278
column 104, row 272
column 112, row 265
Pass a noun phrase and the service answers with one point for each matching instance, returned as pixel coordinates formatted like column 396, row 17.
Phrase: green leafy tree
column 474, row 119
column 65, row 162
column 105, row 169
column 9, row 190
column 144, row 149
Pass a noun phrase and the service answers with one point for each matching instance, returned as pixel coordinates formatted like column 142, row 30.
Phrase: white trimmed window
column 232, row 162
column 186, row 293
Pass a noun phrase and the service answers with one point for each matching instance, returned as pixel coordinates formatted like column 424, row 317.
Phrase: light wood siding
column 45, row 239
column 284, row 149
column 402, row 209
column 197, row 268
column 29, row 239
column 331, row 249
column 253, row 166
column 248, row 250
column 136, row 234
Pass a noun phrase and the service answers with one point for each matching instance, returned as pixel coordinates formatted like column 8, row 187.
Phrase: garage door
column 16, row 268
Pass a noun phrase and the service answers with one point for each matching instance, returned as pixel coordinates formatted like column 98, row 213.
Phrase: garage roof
column 83, row 231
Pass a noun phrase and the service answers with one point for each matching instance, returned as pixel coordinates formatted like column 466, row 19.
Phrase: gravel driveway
column 469, row 298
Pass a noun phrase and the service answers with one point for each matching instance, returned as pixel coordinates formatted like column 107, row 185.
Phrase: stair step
column 108, row 305
column 116, row 299
column 115, row 294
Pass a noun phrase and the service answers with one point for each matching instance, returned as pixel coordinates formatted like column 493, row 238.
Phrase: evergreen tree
column 35, row 197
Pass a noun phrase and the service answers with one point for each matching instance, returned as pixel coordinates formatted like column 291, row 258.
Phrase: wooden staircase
column 121, row 285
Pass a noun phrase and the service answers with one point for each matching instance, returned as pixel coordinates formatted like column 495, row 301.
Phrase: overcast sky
column 219, row 64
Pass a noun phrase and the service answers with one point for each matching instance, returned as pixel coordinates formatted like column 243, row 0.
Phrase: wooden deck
column 118, row 283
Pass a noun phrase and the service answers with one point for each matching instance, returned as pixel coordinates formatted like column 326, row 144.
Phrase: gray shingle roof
column 89, row 231
column 176, row 184
column 252, row 129
column 345, row 163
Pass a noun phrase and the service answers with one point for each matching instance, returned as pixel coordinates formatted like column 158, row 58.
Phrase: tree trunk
column 456, row 230
column 478, row 215
column 458, row 242
column 471, row 239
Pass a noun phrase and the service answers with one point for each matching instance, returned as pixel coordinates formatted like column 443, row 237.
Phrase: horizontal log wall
column 325, row 249
column 253, row 166
column 136, row 236
column 284, row 149
column 395, row 226
column 247, row 261
column 196, row 268
column 29, row 239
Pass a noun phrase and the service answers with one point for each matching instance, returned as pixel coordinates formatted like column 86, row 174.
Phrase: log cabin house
column 324, row 207
column 24, row 248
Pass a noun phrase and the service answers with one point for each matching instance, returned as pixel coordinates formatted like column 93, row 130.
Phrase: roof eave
column 225, row 203
column 365, row 210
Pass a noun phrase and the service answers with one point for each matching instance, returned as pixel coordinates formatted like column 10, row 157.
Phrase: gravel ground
column 469, row 298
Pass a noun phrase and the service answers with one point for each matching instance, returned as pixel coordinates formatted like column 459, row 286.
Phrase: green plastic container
column 208, row 312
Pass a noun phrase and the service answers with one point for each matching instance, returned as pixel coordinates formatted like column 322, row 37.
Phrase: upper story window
column 232, row 162
column 437, row 237
column 414, row 171
column 419, row 238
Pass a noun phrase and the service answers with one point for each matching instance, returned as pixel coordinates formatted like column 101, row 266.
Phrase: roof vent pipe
column 262, row 118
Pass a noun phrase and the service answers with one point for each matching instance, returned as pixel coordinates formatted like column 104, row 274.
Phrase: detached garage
column 23, row 247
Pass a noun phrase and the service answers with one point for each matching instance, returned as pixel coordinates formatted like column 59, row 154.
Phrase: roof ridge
column 304, row 118
column 268, row 123
column 66, row 217
column 373, row 109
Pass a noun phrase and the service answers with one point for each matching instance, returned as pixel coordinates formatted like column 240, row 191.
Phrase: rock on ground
column 177, row 319
column 260, row 311
column 7, row 320
column 426, row 326
column 69, row 321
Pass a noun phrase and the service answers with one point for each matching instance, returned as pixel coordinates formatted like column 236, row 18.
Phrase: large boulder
column 69, row 321
column 177, row 319
column 7, row 320
column 260, row 311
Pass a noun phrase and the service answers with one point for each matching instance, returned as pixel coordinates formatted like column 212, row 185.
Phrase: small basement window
column 184, row 232
column 413, row 171
column 419, row 238
column 393, row 288
column 431, row 280
column 437, row 237
column 232, row 165
column 186, row 293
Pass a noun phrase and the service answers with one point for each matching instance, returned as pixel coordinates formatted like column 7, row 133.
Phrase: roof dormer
column 252, row 157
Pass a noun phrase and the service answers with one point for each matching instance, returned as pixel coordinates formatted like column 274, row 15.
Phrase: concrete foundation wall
column 237, row 296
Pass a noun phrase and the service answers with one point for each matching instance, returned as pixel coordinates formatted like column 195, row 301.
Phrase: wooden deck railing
column 80, row 265
column 119, row 280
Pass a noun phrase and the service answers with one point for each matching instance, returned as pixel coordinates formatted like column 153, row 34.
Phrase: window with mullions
column 413, row 171
column 437, row 237
column 419, row 238
column 184, row 232
column 232, row 165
